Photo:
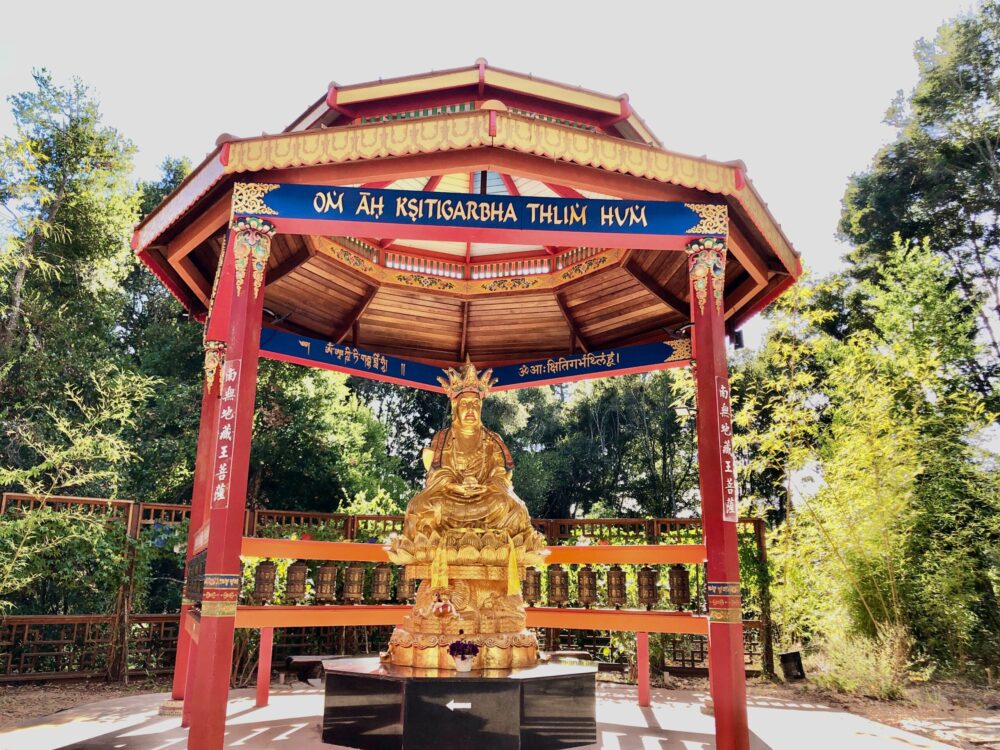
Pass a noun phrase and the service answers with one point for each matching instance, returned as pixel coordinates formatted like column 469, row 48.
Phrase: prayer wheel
column 586, row 584
column 558, row 586
column 680, row 586
column 354, row 583
column 532, row 586
column 263, row 582
column 382, row 583
column 406, row 591
column 616, row 586
column 326, row 583
column 649, row 590
column 295, row 583
column 197, row 577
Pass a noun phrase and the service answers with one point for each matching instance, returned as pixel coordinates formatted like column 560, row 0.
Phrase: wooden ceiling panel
column 309, row 275
column 293, row 295
column 642, row 309
column 339, row 276
column 610, row 331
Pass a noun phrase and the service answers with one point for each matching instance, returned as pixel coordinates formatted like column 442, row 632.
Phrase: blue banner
column 433, row 209
column 313, row 352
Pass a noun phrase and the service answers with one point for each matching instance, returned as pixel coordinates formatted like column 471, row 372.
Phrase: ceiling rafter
column 574, row 329
column 465, row 330
column 652, row 286
column 289, row 264
column 354, row 316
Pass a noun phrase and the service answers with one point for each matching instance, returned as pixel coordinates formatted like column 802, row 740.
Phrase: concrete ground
column 292, row 720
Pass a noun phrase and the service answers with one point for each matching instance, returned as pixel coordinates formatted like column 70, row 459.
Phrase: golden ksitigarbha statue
column 467, row 537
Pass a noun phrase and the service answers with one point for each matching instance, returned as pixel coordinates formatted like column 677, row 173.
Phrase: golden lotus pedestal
column 469, row 591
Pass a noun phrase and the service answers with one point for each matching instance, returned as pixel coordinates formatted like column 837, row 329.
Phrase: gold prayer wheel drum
column 680, row 586
column 586, row 585
column 649, row 590
column 326, row 583
column 532, row 589
column 616, row 586
column 558, row 586
column 382, row 583
column 263, row 582
column 295, row 582
column 354, row 583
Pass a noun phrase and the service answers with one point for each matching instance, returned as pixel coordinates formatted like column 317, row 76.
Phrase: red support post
column 642, row 667
column 236, row 322
column 719, row 504
column 199, row 502
column 264, row 666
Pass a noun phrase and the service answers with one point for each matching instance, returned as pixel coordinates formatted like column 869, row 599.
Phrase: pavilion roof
column 431, row 132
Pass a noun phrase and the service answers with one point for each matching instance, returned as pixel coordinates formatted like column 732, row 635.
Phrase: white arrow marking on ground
column 290, row 732
column 452, row 705
column 254, row 733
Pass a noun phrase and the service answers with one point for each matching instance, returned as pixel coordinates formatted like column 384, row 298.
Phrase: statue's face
column 467, row 409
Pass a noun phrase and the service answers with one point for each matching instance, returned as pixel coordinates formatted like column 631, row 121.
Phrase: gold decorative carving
column 707, row 267
column 507, row 285
column 218, row 609
column 354, row 261
column 427, row 282
column 682, row 350
column 471, row 130
column 253, row 245
column 330, row 248
column 714, row 218
column 215, row 358
column 248, row 198
column 725, row 614
column 591, row 264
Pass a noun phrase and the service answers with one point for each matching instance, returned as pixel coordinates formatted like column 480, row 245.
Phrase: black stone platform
column 374, row 706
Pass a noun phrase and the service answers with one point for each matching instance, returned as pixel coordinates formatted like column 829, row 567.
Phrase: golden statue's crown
column 467, row 380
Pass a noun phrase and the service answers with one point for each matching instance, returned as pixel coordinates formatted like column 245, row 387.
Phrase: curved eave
column 469, row 131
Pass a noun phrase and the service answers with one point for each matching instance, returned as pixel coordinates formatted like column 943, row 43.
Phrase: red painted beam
column 563, row 191
column 509, row 183
column 572, row 618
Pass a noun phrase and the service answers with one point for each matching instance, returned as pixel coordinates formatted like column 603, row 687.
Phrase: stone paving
column 980, row 731
column 292, row 720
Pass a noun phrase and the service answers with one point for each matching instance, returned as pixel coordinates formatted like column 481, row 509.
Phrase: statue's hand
column 466, row 490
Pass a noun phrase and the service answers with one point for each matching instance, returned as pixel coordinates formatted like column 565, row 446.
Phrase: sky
column 797, row 90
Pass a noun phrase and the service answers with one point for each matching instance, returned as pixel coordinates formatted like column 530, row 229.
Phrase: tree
column 898, row 542
column 69, row 205
column 777, row 416
column 940, row 178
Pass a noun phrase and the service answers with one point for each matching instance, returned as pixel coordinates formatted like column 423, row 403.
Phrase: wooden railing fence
column 45, row 647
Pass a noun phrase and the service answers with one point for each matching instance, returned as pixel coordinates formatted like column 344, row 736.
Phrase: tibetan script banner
column 313, row 352
column 414, row 213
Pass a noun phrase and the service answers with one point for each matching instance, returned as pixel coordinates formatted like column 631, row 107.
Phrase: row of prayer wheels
column 586, row 586
column 325, row 585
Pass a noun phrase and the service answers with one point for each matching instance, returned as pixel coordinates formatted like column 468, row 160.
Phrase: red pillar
column 199, row 503
column 235, row 318
column 642, row 667
column 264, row 666
column 719, row 506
